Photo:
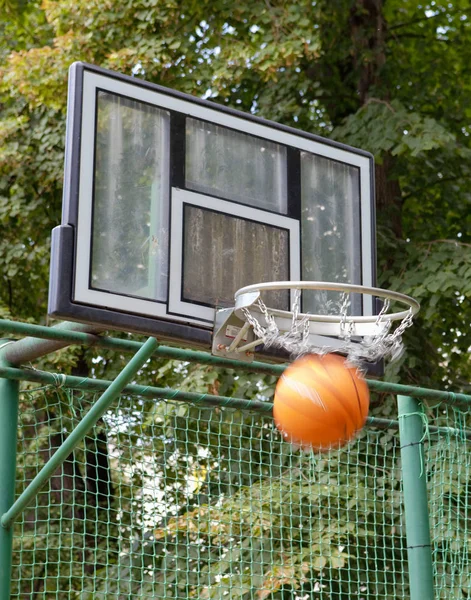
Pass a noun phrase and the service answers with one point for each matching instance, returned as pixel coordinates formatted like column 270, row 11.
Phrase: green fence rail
column 127, row 491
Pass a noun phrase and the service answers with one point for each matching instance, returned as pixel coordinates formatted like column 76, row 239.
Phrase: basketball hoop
column 360, row 338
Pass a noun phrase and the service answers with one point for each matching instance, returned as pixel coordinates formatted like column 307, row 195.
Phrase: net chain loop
column 383, row 343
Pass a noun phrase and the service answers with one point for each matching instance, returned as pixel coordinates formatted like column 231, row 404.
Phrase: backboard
column 172, row 203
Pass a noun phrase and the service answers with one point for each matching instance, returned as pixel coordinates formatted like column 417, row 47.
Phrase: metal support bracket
column 233, row 337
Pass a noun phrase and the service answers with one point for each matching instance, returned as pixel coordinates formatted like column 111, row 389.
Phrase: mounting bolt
column 248, row 353
column 221, row 347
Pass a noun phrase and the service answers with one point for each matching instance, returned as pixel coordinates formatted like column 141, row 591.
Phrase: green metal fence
column 155, row 493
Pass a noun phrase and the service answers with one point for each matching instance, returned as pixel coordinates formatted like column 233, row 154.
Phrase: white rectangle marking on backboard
column 182, row 197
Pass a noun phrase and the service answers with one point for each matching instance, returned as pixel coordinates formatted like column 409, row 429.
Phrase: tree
column 391, row 77
column 388, row 77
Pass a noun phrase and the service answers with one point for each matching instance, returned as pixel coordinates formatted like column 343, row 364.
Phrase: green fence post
column 76, row 436
column 9, row 392
column 414, row 481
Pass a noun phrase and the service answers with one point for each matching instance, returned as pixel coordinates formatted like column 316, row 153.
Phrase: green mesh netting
column 448, row 471
column 169, row 500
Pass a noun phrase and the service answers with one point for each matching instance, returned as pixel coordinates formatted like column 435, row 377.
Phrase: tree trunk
column 368, row 34
column 388, row 196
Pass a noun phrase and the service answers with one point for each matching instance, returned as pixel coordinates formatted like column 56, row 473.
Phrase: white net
column 385, row 340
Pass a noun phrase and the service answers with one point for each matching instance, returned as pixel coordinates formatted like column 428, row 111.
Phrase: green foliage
column 381, row 127
column 395, row 82
column 402, row 95
column 437, row 274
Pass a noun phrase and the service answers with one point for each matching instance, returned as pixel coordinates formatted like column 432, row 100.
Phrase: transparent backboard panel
column 330, row 226
column 281, row 205
column 236, row 166
column 130, row 203
column 223, row 253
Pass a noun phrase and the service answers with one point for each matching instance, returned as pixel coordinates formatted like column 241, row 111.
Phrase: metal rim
column 246, row 296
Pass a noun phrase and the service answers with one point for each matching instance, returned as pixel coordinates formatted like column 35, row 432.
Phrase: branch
column 379, row 101
column 422, row 19
column 454, row 242
column 413, row 22
column 417, row 36
column 10, row 296
column 431, row 185
column 276, row 26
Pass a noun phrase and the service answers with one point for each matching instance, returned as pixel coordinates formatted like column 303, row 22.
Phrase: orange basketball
column 320, row 402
